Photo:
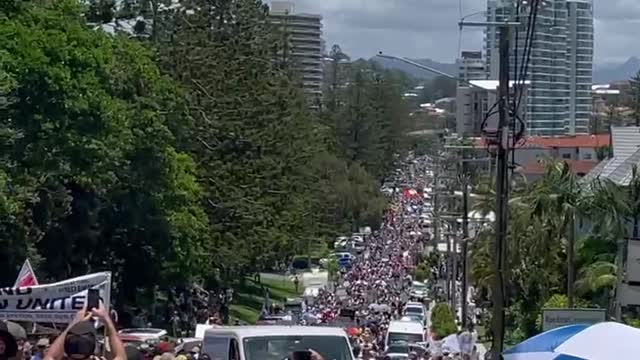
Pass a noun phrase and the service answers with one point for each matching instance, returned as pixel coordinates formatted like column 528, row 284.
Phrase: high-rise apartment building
column 471, row 66
column 305, row 38
column 560, row 67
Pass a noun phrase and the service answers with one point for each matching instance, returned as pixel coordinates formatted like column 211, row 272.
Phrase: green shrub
column 422, row 272
column 443, row 322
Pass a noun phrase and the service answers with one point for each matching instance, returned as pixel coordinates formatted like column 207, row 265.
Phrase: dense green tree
column 254, row 137
column 370, row 120
column 194, row 151
column 89, row 155
column 540, row 222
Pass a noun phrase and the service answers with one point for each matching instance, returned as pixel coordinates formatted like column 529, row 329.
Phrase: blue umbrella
column 603, row 341
column 543, row 346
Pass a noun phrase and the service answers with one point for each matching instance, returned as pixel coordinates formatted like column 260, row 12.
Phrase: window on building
column 588, row 156
column 566, row 156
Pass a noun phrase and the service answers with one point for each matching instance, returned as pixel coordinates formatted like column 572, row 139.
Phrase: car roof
column 190, row 339
column 141, row 330
column 251, row 331
column 414, row 304
column 411, row 327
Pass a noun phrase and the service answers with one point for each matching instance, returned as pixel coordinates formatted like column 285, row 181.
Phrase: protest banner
column 53, row 303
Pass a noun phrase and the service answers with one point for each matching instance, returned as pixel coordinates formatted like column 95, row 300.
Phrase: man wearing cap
column 78, row 341
column 41, row 347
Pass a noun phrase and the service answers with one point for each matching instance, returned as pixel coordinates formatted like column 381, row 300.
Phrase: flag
column 26, row 277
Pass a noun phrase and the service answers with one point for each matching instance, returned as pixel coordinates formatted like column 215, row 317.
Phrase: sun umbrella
column 580, row 342
column 16, row 330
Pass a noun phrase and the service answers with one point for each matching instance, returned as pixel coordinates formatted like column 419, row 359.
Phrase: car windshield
column 398, row 349
column 281, row 347
column 413, row 310
column 413, row 317
column 405, row 337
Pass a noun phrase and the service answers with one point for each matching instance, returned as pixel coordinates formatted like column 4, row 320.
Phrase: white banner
column 53, row 303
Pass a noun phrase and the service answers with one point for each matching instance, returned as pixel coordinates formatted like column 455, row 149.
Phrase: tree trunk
column 619, row 273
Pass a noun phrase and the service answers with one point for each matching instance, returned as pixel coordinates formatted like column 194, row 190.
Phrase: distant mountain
column 602, row 74
column 608, row 73
column 415, row 72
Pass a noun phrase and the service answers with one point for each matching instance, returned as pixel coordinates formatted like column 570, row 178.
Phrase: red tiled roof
column 549, row 142
column 577, row 166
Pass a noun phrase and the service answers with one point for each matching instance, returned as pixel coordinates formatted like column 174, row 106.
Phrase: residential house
column 580, row 152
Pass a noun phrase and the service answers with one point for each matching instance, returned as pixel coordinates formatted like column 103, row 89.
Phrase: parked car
column 419, row 291
column 142, row 335
column 415, row 308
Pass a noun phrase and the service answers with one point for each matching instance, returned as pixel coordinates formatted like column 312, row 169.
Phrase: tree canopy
column 183, row 144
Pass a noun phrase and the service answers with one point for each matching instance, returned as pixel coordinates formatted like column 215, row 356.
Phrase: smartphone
column 93, row 299
column 302, row 355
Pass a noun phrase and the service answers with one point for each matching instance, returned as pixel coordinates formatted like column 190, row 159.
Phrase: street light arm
column 418, row 65
column 430, row 69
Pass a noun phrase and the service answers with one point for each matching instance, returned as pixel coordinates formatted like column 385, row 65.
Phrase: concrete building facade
column 305, row 38
column 560, row 67
column 474, row 102
column 471, row 66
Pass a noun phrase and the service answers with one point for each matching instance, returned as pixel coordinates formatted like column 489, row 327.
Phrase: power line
column 526, row 55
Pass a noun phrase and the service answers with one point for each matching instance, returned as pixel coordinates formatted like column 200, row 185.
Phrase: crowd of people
column 82, row 341
column 376, row 286
column 368, row 294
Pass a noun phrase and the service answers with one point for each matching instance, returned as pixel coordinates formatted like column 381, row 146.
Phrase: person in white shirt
column 467, row 342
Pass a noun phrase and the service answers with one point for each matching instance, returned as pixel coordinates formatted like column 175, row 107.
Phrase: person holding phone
column 78, row 340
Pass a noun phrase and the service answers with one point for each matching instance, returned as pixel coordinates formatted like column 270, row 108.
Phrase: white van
column 275, row 342
column 411, row 332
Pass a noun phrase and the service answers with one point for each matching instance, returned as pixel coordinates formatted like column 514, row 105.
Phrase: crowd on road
column 375, row 288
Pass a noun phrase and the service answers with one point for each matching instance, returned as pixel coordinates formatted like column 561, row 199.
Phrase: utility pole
column 502, row 181
column 448, row 278
column 454, row 274
column 436, row 205
column 500, row 247
column 465, row 243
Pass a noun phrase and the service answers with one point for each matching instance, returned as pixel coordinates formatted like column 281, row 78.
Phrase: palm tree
column 610, row 207
column 556, row 200
column 605, row 204
column 596, row 277
column 599, row 279
column 482, row 260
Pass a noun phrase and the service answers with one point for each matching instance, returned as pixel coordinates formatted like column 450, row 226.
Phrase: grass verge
column 249, row 297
